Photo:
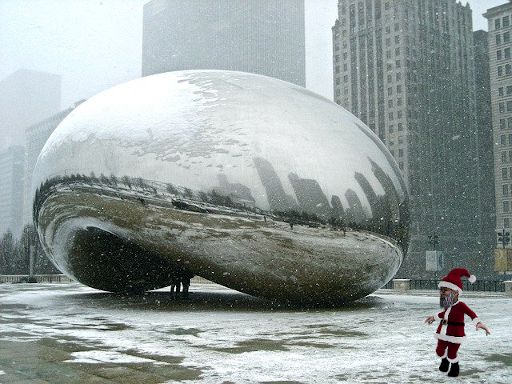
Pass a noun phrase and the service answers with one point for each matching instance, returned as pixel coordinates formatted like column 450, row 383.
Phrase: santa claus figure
column 450, row 331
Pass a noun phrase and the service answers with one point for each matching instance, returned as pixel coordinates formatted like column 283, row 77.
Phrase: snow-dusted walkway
column 68, row 333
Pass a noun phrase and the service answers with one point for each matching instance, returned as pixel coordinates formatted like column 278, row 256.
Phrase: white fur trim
column 451, row 339
column 456, row 360
column 447, row 284
column 475, row 321
column 472, row 279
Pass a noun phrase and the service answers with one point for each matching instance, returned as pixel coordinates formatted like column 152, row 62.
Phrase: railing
column 477, row 286
column 57, row 278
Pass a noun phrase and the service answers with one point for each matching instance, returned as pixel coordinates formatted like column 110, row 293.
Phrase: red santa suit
column 451, row 326
column 450, row 332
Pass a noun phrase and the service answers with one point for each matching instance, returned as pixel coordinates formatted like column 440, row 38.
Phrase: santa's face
column 447, row 297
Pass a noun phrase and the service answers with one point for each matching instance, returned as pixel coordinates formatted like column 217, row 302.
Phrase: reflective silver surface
column 248, row 181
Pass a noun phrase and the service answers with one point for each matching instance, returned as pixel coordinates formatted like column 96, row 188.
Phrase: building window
column 509, row 122
column 390, row 103
column 506, row 21
column 390, row 78
column 506, row 37
column 498, row 38
column 503, row 140
column 500, row 71
column 510, row 139
column 506, row 206
column 397, row 51
column 498, row 54
column 390, row 116
column 398, row 76
column 502, row 124
column 509, row 106
column 399, row 101
column 500, row 91
column 398, row 89
column 400, row 127
column 400, row 152
column 503, row 173
column 398, row 64
column 399, row 114
column 501, row 107
column 507, row 53
column 397, row 39
column 503, row 157
column 497, row 23
column 508, row 69
column 390, row 91
column 506, row 222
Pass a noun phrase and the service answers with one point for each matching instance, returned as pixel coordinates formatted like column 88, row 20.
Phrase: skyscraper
column 485, row 140
column 26, row 97
column 500, row 68
column 259, row 36
column 11, row 189
column 406, row 68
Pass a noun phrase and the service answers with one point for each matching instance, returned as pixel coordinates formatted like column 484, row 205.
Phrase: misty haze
column 283, row 167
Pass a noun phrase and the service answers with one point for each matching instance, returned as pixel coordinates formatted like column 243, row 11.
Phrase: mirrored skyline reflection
column 128, row 126
column 230, row 175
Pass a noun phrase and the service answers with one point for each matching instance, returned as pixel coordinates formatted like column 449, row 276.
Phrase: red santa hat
column 453, row 279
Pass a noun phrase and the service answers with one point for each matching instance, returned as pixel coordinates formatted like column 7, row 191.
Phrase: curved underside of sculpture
column 247, row 181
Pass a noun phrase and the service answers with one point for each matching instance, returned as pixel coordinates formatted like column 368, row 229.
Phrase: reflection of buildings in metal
column 207, row 171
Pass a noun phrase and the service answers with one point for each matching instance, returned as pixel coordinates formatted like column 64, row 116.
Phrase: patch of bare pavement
column 68, row 333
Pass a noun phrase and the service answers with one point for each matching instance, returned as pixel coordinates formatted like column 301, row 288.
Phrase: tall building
column 35, row 138
column 11, row 189
column 26, row 97
column 266, row 37
column 500, row 69
column 485, row 141
column 406, row 68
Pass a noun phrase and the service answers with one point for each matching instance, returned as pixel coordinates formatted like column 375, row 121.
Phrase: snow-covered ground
column 221, row 336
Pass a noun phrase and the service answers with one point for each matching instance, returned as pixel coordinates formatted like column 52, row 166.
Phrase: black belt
column 444, row 322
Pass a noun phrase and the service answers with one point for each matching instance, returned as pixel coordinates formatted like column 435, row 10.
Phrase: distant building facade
column 500, row 68
column 485, row 140
column 35, row 138
column 11, row 189
column 406, row 68
column 265, row 37
column 26, row 97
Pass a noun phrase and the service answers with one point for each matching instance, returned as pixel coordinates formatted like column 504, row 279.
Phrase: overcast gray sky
column 95, row 44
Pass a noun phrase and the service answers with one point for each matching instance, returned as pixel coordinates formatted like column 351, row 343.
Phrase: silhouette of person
column 185, row 282
column 175, row 284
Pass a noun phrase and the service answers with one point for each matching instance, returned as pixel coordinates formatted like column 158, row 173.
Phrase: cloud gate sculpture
column 247, row 181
